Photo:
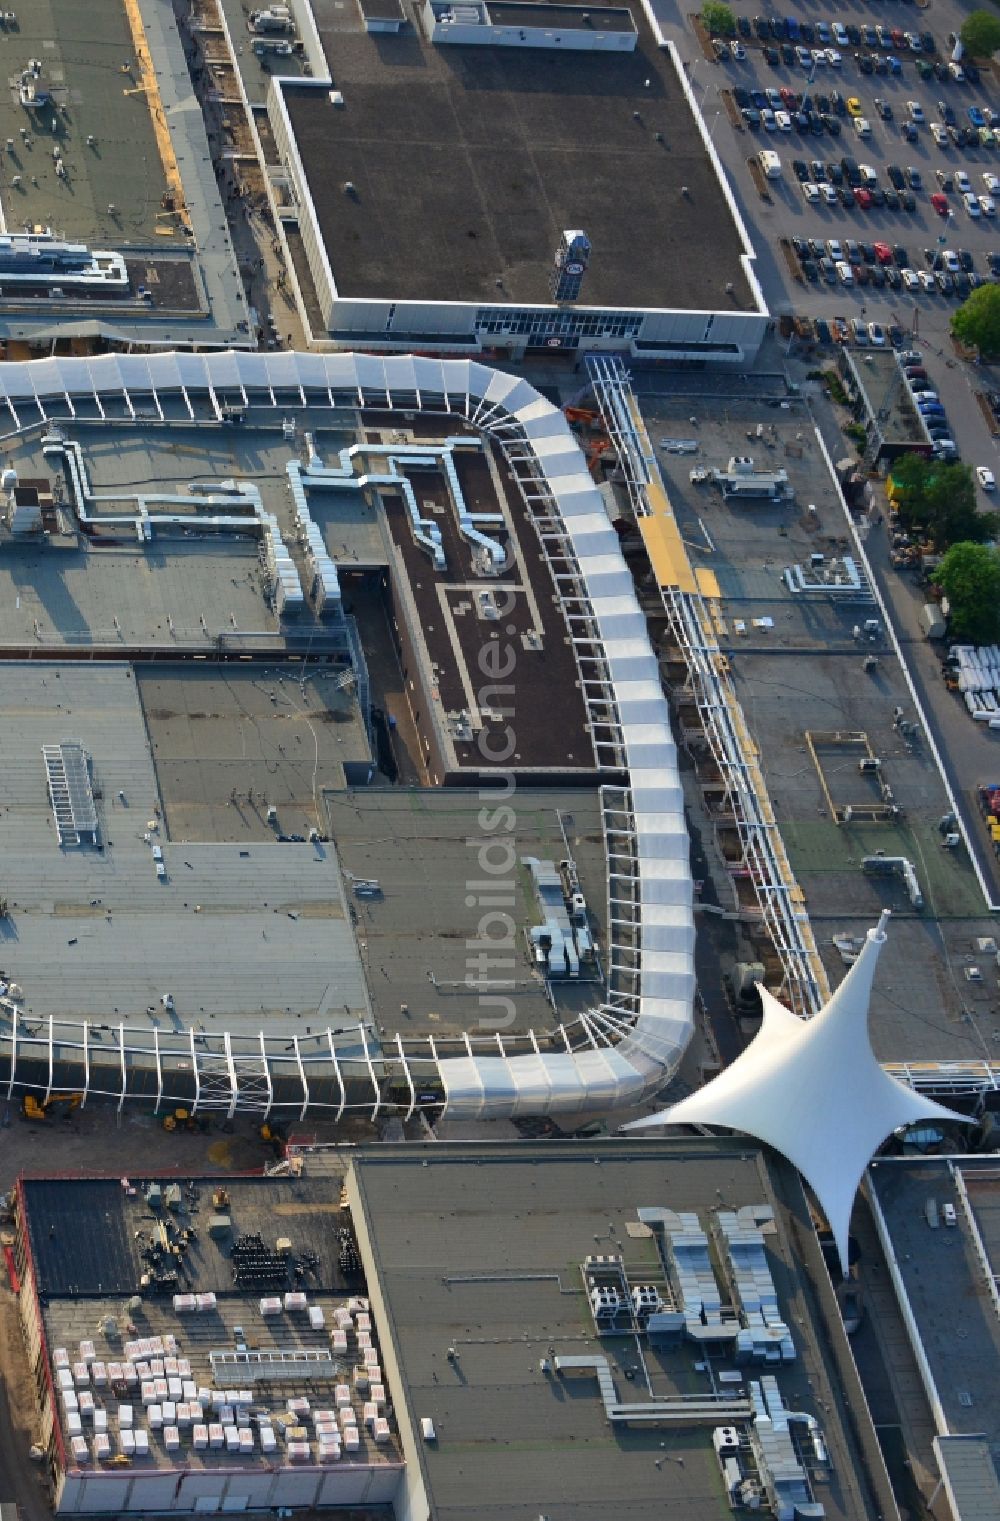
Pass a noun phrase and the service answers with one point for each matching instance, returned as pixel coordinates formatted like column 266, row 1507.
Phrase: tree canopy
column 969, row 576
column 719, row 19
column 977, row 321
column 938, row 500
column 980, row 34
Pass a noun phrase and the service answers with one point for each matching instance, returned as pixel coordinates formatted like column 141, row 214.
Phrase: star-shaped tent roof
column 814, row 1090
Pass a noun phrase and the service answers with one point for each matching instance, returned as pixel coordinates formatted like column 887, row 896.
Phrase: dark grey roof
column 469, row 162
column 970, row 1477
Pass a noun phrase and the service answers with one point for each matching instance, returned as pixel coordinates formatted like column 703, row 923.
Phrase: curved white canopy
column 814, row 1090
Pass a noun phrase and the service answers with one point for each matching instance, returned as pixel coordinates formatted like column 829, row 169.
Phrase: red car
column 863, row 197
column 883, row 253
column 940, row 204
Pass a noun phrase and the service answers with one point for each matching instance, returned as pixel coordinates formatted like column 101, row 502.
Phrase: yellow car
column 854, row 107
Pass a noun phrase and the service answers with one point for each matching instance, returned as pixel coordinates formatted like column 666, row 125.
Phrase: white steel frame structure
column 630, row 1043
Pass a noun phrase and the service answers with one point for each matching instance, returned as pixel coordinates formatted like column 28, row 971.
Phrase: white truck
column 933, row 621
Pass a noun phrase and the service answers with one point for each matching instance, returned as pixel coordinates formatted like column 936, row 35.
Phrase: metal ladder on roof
column 59, row 795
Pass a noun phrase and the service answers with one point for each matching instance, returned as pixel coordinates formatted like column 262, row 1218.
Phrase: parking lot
column 877, row 291
column 918, row 317
column 883, row 160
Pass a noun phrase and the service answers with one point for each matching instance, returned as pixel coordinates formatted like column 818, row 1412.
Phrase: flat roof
column 888, row 396
column 83, row 1240
column 112, row 194
column 463, row 647
column 382, row 10
column 253, row 933
column 569, row 17
column 422, row 846
column 83, row 70
column 795, row 666
column 970, row 1477
column 91, row 1244
column 228, row 744
column 481, row 1249
column 469, row 162
column 182, row 588
column 944, row 1278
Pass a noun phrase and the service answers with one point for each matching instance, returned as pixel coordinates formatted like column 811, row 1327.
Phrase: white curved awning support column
column 815, row 1091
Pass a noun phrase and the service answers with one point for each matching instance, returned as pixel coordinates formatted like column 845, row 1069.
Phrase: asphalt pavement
column 789, row 214
column 969, row 754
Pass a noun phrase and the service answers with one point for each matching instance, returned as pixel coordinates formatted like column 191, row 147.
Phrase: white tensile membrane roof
column 814, row 1090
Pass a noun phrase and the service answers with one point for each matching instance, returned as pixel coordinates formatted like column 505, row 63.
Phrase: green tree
column 939, row 502
column 980, row 34
column 969, row 576
column 977, row 321
column 719, row 19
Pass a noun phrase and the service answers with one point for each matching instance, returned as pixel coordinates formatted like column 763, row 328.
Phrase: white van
column 770, row 164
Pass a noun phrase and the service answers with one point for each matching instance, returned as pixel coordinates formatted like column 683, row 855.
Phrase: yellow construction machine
column 59, row 1105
